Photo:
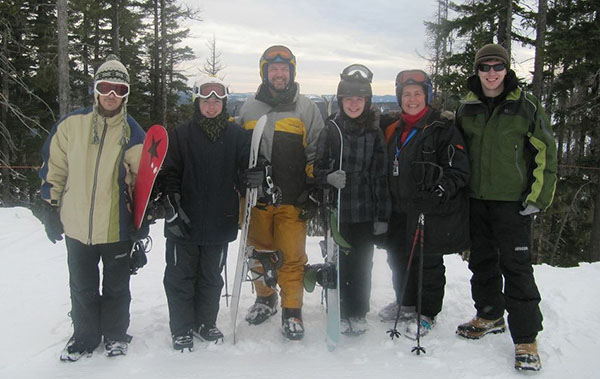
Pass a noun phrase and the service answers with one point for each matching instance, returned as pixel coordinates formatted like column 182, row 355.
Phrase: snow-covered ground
column 34, row 325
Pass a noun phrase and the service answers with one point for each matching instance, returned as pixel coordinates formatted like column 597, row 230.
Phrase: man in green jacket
column 513, row 176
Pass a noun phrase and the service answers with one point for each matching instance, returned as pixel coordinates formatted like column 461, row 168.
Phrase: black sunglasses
column 487, row 67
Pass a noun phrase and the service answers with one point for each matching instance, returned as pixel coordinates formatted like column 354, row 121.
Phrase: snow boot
column 75, row 349
column 292, row 326
column 390, row 311
column 345, row 326
column 262, row 309
column 358, row 325
column 114, row 348
column 479, row 327
column 527, row 357
column 209, row 333
column 426, row 324
column 184, row 341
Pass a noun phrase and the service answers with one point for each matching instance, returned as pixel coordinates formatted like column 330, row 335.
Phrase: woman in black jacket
column 365, row 204
column 427, row 174
column 199, row 179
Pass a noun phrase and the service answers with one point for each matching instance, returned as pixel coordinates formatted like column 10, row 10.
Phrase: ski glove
column 441, row 192
column 529, row 210
column 52, row 223
column 253, row 177
column 178, row 223
column 337, row 179
column 426, row 201
column 138, row 257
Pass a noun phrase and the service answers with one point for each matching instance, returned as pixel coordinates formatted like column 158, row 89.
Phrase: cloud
column 325, row 36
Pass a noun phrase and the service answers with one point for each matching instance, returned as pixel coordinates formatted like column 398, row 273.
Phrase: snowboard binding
column 263, row 265
column 138, row 253
column 322, row 273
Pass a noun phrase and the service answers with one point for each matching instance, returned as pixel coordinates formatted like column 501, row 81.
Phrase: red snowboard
column 153, row 155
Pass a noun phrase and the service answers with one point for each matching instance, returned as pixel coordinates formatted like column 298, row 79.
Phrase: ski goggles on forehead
column 487, row 67
column 207, row 90
column 411, row 77
column 274, row 52
column 357, row 71
column 105, row 88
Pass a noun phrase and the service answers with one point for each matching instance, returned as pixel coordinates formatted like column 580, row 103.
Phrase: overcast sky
column 325, row 36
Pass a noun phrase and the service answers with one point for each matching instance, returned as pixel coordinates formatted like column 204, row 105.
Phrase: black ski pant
column 95, row 315
column 193, row 284
column 355, row 269
column 501, row 248
column 399, row 248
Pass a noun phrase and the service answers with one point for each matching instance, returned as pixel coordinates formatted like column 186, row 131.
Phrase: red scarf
column 410, row 121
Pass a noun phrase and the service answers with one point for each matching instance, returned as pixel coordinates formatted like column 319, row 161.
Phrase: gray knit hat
column 489, row 52
column 112, row 70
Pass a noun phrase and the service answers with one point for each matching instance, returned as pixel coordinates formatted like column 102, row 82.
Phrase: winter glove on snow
column 337, row 179
column 529, row 210
column 177, row 222
column 52, row 223
column 253, row 177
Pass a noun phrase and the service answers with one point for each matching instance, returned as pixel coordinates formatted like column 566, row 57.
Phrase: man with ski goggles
column 96, row 150
column 289, row 143
column 105, row 88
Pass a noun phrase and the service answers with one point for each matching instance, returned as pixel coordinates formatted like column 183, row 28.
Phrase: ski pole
column 421, row 227
column 227, row 295
column 394, row 331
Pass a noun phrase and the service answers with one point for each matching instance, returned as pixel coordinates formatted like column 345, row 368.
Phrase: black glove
column 309, row 202
column 154, row 211
column 427, row 175
column 426, row 201
column 140, row 233
column 138, row 257
column 52, row 223
column 177, row 222
column 253, row 177
column 440, row 191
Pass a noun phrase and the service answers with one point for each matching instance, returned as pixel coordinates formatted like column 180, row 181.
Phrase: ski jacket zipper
column 517, row 163
column 91, row 220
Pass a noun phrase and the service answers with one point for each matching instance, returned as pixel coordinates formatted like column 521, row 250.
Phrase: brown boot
column 479, row 327
column 527, row 357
